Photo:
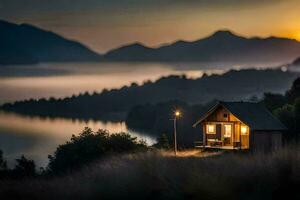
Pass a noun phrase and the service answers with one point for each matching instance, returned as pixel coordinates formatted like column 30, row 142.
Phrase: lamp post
column 176, row 115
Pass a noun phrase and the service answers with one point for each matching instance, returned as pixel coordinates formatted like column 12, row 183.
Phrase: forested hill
column 233, row 85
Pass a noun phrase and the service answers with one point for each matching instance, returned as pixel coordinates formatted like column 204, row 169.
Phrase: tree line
column 156, row 118
column 114, row 104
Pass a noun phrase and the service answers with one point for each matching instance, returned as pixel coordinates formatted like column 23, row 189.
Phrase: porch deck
column 226, row 147
column 221, row 147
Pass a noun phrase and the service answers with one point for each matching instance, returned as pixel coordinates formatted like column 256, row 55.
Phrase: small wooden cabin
column 240, row 125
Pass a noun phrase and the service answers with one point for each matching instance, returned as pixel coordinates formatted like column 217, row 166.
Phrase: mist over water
column 62, row 79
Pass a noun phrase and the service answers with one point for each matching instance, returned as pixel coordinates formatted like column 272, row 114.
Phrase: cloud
column 111, row 5
column 80, row 12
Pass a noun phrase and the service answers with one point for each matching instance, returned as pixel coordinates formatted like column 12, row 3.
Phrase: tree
column 297, row 114
column 24, row 167
column 286, row 115
column 89, row 146
column 162, row 142
column 294, row 92
column 274, row 101
column 253, row 99
column 3, row 163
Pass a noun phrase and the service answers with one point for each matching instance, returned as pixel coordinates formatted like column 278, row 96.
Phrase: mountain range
column 27, row 44
column 220, row 46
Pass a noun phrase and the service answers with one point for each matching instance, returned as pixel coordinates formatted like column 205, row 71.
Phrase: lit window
column 244, row 129
column 211, row 129
column 227, row 130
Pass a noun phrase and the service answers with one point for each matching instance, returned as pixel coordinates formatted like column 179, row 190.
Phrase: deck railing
column 198, row 144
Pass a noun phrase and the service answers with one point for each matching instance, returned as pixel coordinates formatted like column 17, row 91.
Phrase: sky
column 106, row 24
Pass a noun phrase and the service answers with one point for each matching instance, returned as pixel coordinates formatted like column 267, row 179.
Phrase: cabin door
column 227, row 134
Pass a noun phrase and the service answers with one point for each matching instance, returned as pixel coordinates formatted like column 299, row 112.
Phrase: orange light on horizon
column 292, row 34
column 297, row 36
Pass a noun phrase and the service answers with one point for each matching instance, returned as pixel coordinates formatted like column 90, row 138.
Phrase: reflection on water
column 60, row 80
column 37, row 138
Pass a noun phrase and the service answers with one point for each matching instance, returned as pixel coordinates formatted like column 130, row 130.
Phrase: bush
column 162, row 142
column 3, row 164
column 89, row 146
column 294, row 92
column 297, row 114
column 274, row 101
column 24, row 168
column 286, row 115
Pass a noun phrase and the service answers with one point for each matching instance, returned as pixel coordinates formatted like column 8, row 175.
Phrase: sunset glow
column 104, row 25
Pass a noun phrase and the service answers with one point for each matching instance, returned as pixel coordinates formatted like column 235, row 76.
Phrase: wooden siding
column 219, row 118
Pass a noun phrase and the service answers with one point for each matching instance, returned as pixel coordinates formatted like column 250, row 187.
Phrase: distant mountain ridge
column 221, row 46
column 27, row 44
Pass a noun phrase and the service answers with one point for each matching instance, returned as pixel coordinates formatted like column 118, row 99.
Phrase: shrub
column 89, row 146
column 24, row 168
column 162, row 142
column 3, row 164
column 286, row 115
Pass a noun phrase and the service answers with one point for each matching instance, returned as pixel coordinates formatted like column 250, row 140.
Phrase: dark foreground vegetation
column 81, row 150
column 152, row 175
column 116, row 103
column 99, row 165
column 89, row 146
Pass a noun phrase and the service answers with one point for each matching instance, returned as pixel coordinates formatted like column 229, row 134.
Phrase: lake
column 36, row 137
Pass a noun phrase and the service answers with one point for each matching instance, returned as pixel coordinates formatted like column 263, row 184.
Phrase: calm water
column 36, row 137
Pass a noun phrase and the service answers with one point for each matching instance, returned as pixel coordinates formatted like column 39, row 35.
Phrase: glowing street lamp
column 177, row 114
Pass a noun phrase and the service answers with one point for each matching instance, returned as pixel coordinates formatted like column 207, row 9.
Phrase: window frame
column 211, row 132
column 246, row 128
column 231, row 129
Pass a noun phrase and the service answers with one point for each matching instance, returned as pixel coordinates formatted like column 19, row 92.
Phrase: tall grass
column 154, row 175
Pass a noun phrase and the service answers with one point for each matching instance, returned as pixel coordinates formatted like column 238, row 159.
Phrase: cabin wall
column 245, row 137
column 253, row 140
column 220, row 117
column 237, row 132
column 266, row 140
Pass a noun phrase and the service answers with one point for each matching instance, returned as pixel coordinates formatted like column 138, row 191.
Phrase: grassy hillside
column 155, row 175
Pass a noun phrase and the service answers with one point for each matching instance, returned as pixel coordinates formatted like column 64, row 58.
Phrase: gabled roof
column 255, row 115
